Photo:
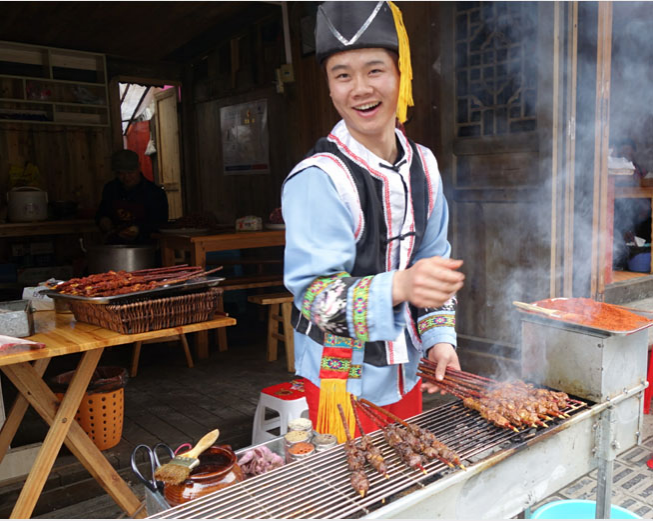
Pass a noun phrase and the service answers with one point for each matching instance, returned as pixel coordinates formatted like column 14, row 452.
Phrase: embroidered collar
column 341, row 136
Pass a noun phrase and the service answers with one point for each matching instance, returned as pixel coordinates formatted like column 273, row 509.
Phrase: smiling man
column 367, row 256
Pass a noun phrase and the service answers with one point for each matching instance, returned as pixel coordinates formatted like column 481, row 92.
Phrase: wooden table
column 198, row 245
column 62, row 335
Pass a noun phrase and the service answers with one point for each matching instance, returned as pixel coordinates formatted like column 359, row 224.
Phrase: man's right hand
column 429, row 283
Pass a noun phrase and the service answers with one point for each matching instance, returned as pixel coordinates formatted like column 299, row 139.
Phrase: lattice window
column 496, row 68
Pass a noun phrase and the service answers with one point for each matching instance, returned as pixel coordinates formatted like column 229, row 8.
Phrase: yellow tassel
column 333, row 392
column 405, row 99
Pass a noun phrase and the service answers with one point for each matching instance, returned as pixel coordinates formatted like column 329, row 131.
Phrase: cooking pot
column 27, row 204
column 101, row 259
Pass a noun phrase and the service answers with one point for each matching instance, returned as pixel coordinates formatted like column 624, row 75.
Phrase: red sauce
column 301, row 448
column 599, row 315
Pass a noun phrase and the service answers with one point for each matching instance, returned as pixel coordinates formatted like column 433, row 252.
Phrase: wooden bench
column 241, row 283
column 279, row 312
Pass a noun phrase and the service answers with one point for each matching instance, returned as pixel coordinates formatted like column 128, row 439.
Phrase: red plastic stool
column 648, row 393
column 287, row 400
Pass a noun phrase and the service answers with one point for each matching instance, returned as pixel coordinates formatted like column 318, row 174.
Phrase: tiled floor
column 632, row 486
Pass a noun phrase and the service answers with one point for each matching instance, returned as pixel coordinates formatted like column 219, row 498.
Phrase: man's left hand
column 443, row 355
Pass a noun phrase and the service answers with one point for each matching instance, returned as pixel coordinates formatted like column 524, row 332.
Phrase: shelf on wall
column 68, row 87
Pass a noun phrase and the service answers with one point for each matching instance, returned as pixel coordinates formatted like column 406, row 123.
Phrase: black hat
column 345, row 26
column 124, row 161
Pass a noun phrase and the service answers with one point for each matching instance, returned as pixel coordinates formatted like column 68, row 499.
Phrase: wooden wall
column 74, row 162
column 298, row 117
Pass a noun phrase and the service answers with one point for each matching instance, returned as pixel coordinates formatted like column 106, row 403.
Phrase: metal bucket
column 118, row 257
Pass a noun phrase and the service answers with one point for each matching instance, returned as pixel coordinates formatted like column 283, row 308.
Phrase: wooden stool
column 136, row 353
column 278, row 302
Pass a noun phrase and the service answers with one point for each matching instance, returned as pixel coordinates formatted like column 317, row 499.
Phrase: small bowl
column 218, row 469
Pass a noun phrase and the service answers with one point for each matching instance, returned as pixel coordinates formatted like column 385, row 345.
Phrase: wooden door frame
column 162, row 165
column 563, row 146
column 601, row 149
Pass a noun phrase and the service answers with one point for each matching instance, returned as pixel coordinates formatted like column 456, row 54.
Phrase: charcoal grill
column 506, row 472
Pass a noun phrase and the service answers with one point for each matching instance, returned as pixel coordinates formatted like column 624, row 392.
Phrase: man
column 132, row 207
column 366, row 222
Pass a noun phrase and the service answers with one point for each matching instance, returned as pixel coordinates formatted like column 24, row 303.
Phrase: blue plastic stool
column 640, row 263
column 578, row 509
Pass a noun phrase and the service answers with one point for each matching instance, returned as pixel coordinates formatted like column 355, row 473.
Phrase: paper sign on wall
column 245, row 142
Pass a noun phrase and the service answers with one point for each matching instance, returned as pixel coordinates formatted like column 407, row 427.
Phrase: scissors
column 152, row 454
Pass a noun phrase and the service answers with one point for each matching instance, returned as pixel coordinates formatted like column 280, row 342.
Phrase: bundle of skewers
column 124, row 282
column 510, row 405
column 414, row 445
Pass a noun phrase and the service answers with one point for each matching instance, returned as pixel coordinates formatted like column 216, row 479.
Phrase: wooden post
column 555, row 147
column 601, row 145
column 570, row 159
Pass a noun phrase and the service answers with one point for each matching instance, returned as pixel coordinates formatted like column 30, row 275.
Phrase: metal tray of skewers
column 567, row 320
column 146, row 284
column 161, row 291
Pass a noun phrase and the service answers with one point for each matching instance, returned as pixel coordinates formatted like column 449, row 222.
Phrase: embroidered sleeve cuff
column 438, row 325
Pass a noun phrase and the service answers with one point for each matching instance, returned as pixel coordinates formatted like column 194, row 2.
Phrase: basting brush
column 178, row 469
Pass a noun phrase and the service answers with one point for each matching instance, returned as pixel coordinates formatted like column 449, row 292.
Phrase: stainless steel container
column 16, row 318
column 307, row 450
column 120, row 257
column 324, row 442
column 300, row 424
column 293, row 437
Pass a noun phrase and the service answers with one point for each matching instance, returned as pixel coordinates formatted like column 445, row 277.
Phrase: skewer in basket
column 114, row 283
column 150, row 314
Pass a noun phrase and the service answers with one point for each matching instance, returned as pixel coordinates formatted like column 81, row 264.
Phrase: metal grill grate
column 318, row 487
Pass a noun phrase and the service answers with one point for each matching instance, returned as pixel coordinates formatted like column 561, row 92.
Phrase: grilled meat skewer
column 421, row 440
column 355, row 460
column 507, row 405
column 372, row 452
column 394, row 439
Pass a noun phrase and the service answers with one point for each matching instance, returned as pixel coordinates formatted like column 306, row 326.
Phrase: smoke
column 631, row 96
column 517, row 258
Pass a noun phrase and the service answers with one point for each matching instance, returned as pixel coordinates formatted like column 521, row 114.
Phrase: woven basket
column 151, row 314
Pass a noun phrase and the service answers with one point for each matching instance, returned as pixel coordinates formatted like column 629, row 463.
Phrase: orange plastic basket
column 101, row 416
